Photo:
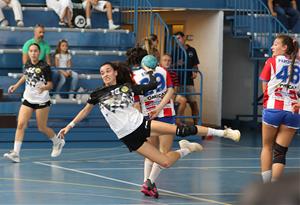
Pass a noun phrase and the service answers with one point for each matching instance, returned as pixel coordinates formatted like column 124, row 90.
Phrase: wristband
column 72, row 124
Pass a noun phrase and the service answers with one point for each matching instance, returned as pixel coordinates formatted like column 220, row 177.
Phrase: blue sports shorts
column 170, row 120
column 276, row 118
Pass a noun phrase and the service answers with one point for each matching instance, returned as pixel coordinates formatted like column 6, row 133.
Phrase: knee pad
column 279, row 154
column 183, row 131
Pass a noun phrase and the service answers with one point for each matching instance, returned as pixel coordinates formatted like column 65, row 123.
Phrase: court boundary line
column 130, row 183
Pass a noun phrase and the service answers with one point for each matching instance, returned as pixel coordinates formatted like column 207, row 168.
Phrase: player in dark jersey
column 37, row 79
column 115, row 100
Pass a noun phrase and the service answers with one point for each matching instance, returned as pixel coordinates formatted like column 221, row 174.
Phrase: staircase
column 89, row 48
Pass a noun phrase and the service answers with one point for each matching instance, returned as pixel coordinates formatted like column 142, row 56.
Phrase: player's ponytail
column 294, row 55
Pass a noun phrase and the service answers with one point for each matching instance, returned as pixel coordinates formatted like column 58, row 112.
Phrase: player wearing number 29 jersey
column 280, row 94
column 151, row 99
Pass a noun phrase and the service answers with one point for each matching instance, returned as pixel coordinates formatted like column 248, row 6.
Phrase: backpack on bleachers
column 78, row 14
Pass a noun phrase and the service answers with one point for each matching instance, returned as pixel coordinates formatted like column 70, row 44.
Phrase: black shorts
column 36, row 106
column 137, row 138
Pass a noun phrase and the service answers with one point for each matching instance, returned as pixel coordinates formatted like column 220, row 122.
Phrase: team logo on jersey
column 124, row 89
column 37, row 70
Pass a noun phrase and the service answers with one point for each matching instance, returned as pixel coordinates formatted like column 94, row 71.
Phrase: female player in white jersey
column 116, row 103
column 156, row 104
column 281, row 119
column 37, row 77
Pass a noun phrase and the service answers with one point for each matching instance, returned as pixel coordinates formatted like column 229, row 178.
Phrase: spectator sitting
column 63, row 61
column 16, row 7
column 165, row 62
column 64, row 10
column 287, row 13
column 103, row 6
column 39, row 32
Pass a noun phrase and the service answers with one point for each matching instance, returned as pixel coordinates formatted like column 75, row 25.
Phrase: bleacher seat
column 89, row 48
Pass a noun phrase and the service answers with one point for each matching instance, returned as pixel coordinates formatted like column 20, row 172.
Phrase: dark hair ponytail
column 124, row 75
column 294, row 55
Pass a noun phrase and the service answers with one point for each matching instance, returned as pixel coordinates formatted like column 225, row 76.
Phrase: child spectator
column 63, row 61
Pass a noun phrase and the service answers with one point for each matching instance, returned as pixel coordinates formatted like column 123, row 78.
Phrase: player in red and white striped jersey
column 281, row 119
column 156, row 104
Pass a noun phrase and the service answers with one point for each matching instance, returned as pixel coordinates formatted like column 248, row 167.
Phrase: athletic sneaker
column 4, row 23
column 192, row 146
column 13, row 156
column 235, row 135
column 113, row 27
column 145, row 189
column 149, row 189
column 57, row 147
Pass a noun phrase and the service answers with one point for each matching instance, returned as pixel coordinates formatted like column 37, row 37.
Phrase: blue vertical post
column 136, row 7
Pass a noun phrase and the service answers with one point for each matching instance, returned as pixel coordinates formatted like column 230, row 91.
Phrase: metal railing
column 144, row 21
column 253, row 19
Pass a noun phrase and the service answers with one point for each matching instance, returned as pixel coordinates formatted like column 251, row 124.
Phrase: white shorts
column 99, row 7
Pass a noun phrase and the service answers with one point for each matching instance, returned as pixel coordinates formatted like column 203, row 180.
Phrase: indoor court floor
column 106, row 173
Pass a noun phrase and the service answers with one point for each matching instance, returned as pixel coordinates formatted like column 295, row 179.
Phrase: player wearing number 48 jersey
column 281, row 119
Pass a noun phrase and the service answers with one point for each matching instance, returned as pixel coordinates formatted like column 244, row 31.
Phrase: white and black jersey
column 36, row 76
column 116, row 104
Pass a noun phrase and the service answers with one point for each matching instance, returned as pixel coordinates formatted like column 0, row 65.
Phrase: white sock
column 88, row 21
column 215, row 132
column 183, row 152
column 266, row 176
column 110, row 22
column 54, row 139
column 17, row 147
column 156, row 169
column 147, row 168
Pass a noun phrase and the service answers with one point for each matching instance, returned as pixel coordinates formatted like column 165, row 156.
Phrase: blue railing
column 139, row 14
column 253, row 19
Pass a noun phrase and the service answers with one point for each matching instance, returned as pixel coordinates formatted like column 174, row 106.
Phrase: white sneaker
column 192, row 146
column 13, row 156
column 235, row 135
column 4, row 23
column 20, row 23
column 88, row 26
column 57, row 147
column 113, row 26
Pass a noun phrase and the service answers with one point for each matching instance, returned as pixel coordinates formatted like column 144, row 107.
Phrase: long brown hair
column 58, row 50
column 292, row 51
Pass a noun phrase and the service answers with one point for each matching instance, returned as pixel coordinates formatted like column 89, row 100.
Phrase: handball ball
column 150, row 61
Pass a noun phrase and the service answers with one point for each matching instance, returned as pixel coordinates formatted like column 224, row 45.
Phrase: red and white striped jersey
column 278, row 94
column 152, row 98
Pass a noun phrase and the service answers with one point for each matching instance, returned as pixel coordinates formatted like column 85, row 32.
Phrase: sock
column 88, row 21
column 156, row 169
column 54, row 139
column 183, row 152
column 147, row 168
column 110, row 22
column 274, row 180
column 215, row 132
column 266, row 176
column 17, row 147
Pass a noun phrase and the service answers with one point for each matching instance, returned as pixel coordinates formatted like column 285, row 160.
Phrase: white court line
column 178, row 168
column 141, row 160
column 130, row 183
